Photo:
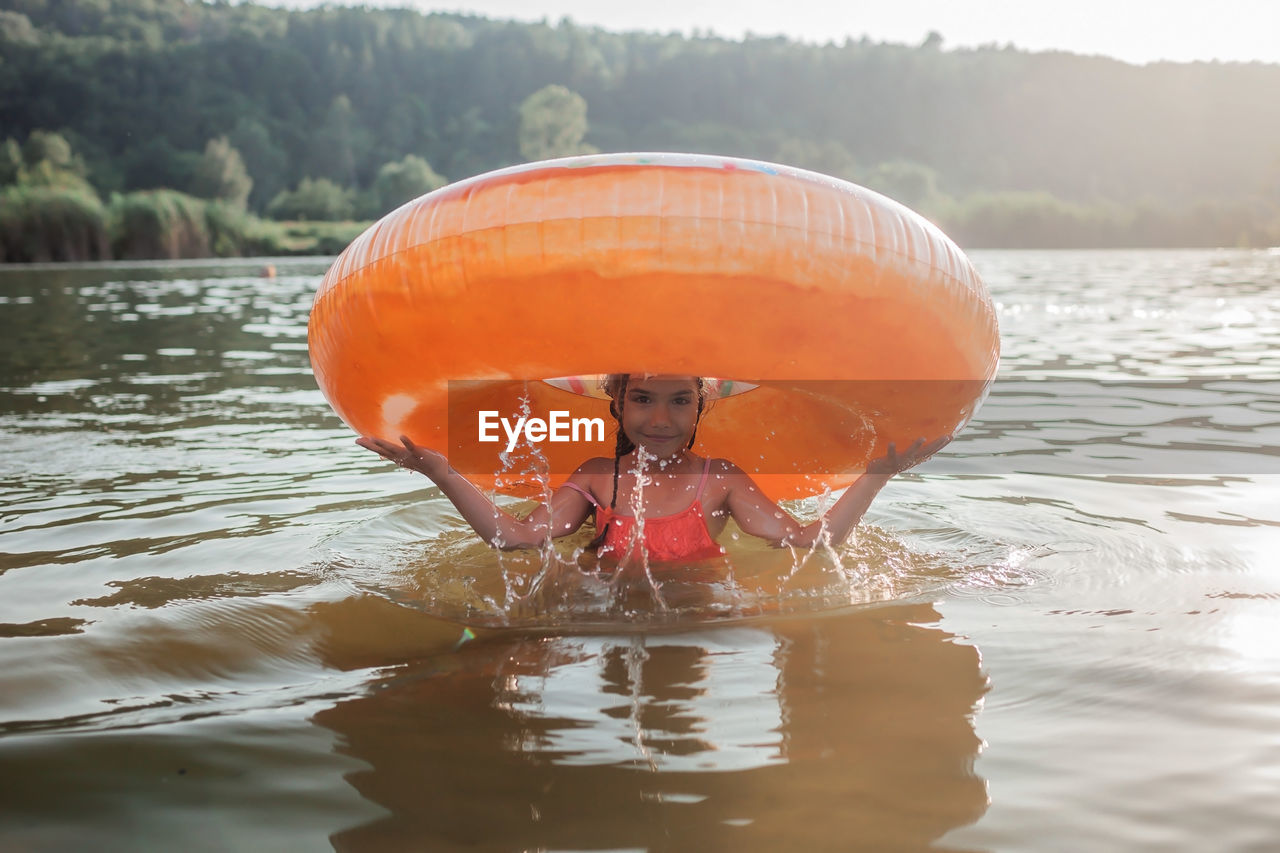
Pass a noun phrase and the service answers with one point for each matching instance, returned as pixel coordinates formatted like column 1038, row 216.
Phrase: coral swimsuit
column 680, row 536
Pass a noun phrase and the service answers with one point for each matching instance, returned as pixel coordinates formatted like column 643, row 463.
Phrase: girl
column 686, row 499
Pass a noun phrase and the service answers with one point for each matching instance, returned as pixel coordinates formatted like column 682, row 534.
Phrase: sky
column 1137, row 31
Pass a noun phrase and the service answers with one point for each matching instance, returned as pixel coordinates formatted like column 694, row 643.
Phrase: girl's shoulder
column 724, row 476
column 726, row 479
column 594, row 467
column 725, row 468
column 592, row 479
column 595, row 474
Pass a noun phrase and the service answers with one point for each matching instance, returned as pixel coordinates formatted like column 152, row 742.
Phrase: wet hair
column 615, row 386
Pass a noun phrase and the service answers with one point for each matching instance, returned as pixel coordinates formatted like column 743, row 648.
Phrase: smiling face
column 660, row 413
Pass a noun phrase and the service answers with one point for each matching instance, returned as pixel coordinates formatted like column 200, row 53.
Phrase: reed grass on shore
column 42, row 224
column 161, row 224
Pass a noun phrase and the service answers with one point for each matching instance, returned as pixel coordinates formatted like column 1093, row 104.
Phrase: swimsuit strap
column 595, row 503
column 706, row 467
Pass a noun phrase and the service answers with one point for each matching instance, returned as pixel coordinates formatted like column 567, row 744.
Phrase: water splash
column 528, row 462
column 635, row 543
column 454, row 576
column 562, row 584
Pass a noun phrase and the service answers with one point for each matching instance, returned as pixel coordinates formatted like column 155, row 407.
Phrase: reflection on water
column 221, row 621
column 796, row 735
column 676, row 706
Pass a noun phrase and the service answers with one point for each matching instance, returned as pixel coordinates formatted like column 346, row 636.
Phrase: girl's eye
column 683, row 401
column 639, row 398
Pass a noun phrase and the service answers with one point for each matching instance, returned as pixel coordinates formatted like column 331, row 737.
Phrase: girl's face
column 659, row 413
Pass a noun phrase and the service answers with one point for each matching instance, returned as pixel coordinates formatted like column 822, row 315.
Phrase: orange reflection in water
column 825, row 733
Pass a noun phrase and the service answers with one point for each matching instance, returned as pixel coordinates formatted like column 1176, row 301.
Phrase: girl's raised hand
column 895, row 463
column 406, row 454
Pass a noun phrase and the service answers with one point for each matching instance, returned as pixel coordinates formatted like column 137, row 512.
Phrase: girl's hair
column 615, row 386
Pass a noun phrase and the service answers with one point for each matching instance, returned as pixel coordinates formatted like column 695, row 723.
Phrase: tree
column 334, row 148
column 315, row 198
column 45, row 160
column 829, row 157
column 16, row 28
column 263, row 159
column 44, row 146
column 10, row 162
column 912, row 184
column 553, row 121
column 221, row 174
column 154, row 163
column 466, row 139
column 403, row 180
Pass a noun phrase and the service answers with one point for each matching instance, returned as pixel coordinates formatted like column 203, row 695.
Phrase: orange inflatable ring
column 852, row 321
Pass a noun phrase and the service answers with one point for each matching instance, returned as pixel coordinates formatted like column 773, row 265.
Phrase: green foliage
column 828, row 157
column 41, row 223
column 912, row 184
column 158, row 224
column 43, row 146
column 704, row 137
column 553, row 121
column 44, row 160
column 233, row 232
column 1014, row 148
column 15, row 28
column 221, row 174
column 331, row 153
column 308, row 238
column 314, row 198
column 263, row 159
column 45, row 174
column 1035, row 219
column 11, row 162
column 169, row 224
column 403, row 181
column 1041, row 220
column 156, row 164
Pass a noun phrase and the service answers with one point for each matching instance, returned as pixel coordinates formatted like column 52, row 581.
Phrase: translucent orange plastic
column 861, row 323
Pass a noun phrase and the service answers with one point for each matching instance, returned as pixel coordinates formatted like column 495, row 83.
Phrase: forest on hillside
column 342, row 113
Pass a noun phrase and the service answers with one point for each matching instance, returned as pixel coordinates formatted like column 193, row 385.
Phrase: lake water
column 225, row 627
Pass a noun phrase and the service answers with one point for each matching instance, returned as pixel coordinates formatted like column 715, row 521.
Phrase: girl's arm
column 494, row 525
column 757, row 515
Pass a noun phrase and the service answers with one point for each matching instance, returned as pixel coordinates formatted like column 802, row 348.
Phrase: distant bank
column 340, row 114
